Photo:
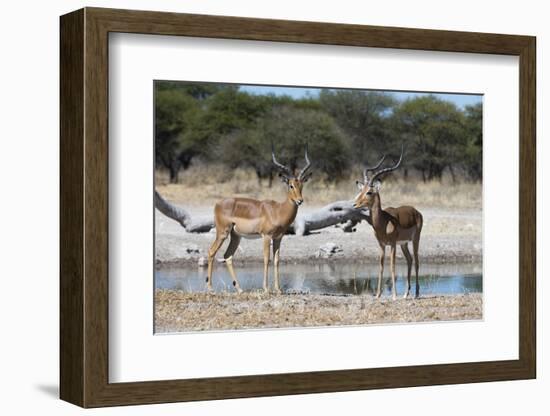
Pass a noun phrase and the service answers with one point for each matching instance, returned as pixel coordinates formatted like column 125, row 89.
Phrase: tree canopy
column 288, row 130
column 343, row 129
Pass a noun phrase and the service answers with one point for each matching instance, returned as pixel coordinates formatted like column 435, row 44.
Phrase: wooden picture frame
column 84, row 207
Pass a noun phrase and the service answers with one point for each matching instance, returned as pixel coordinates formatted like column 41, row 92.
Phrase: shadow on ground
column 49, row 390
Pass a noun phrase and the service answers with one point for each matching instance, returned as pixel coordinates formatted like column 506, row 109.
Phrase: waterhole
column 330, row 279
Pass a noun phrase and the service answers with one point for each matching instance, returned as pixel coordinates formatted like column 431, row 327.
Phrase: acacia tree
column 197, row 90
column 435, row 133
column 190, row 119
column 247, row 148
column 224, row 113
column 473, row 152
column 175, row 112
column 289, row 129
column 364, row 117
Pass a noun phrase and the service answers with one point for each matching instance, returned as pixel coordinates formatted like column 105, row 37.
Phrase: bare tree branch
column 332, row 214
column 180, row 215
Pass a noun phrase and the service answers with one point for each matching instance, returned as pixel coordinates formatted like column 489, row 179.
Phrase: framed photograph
column 255, row 207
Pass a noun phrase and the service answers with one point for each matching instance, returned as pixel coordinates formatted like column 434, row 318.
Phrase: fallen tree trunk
column 339, row 212
column 201, row 225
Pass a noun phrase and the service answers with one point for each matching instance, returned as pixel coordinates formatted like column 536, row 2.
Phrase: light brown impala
column 391, row 226
column 250, row 218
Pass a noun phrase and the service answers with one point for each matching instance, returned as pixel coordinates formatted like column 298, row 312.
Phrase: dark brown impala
column 391, row 226
column 250, row 218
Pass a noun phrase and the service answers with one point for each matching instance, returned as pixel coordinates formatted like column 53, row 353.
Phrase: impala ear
column 377, row 185
column 306, row 178
column 283, row 178
column 360, row 185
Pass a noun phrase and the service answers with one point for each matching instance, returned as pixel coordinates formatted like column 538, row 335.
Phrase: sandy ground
column 448, row 236
column 177, row 311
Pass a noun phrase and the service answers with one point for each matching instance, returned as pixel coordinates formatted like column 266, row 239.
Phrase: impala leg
column 276, row 251
column 415, row 252
column 381, row 270
column 267, row 243
column 392, row 265
column 228, row 256
column 407, row 254
column 220, row 238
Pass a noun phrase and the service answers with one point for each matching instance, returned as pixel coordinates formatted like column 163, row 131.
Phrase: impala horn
column 304, row 172
column 387, row 170
column 284, row 170
column 371, row 169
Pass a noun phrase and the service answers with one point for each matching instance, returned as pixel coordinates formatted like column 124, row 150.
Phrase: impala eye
column 291, row 186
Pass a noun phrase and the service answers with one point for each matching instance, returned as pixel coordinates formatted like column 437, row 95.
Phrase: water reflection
column 338, row 279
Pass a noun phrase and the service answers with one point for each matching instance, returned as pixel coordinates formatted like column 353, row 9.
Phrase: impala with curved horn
column 391, row 226
column 250, row 218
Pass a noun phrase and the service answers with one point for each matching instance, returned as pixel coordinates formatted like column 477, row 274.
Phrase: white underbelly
column 246, row 235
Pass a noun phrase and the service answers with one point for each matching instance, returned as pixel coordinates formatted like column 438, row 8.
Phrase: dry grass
column 207, row 184
column 177, row 311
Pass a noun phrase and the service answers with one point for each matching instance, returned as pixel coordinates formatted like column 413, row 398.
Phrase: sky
column 460, row 100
